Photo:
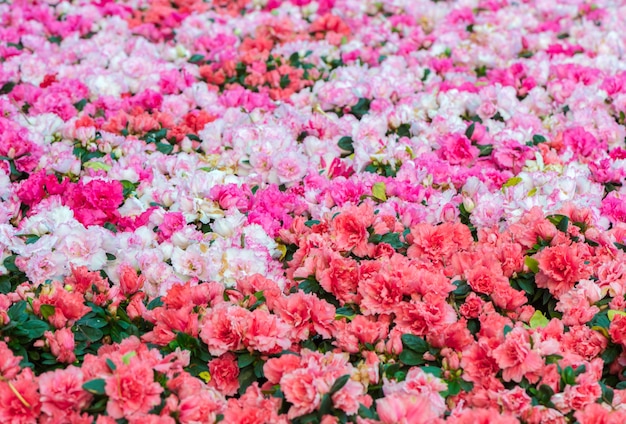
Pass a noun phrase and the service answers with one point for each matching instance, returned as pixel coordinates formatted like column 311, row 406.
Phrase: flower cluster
column 312, row 211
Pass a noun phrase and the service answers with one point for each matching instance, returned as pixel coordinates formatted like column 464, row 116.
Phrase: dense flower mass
column 312, row 211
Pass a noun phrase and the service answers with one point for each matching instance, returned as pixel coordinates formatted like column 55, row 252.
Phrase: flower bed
column 307, row 211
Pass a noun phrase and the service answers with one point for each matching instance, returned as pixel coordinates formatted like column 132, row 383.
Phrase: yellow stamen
column 18, row 395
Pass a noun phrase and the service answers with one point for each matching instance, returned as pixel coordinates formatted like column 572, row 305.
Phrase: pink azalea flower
column 61, row 391
column 224, row 372
column 132, row 390
column 516, row 357
column 22, row 408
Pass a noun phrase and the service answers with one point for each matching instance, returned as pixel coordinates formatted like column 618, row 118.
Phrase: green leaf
column 567, row 376
column 613, row 312
column 345, row 312
column 414, row 343
column 55, row 39
column 258, row 369
column 93, row 322
column 454, row 388
column 393, row 239
column 245, row 359
column 607, row 393
column 470, row 130
column 555, row 219
column 17, row 312
column 31, row 238
column 46, row 311
column 196, row 58
column 436, row 371
column 371, row 168
column 34, row 328
column 98, row 166
column 9, row 263
column 532, row 264
column 128, row 187
column 310, row 285
column 346, row 143
column 404, row 130
column 294, row 59
column 379, row 191
column 563, row 224
column 512, row 182
column 95, row 387
column 112, row 228
column 473, row 325
column 159, row 134
column 538, row 139
column 620, row 246
column 462, row 288
column 400, row 375
column 527, row 285
column 325, row 405
column 187, row 342
column 365, row 412
column 544, row 394
column 311, row 418
column 339, row 383
column 111, row 364
column 80, row 105
column 284, row 81
column 484, row 149
column 7, row 87
column 466, row 386
column 553, row 359
column 85, row 155
column 165, row 148
column 128, row 356
column 498, row 117
column 361, row 108
column 5, row 284
column 580, row 369
column 246, row 378
column 410, row 357
column 610, row 354
column 311, row 222
column 193, row 137
column 538, row 320
column 92, row 334
column 155, row 303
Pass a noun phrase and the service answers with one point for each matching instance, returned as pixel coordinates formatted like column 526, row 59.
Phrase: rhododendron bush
column 327, row 211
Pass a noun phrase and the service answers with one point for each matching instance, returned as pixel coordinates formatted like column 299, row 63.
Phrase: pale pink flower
column 418, row 382
column 403, row 408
